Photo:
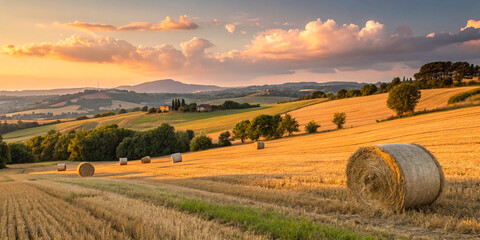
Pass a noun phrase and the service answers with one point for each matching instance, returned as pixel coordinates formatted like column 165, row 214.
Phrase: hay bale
column 259, row 145
column 85, row 169
column 176, row 157
column 394, row 176
column 123, row 161
column 61, row 167
column 146, row 159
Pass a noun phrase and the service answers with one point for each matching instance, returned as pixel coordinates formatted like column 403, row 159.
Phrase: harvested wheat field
column 288, row 190
column 366, row 110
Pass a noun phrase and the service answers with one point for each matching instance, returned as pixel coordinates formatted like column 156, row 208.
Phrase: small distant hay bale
column 85, row 169
column 61, row 167
column 176, row 157
column 146, row 159
column 123, row 161
column 394, row 176
column 259, row 145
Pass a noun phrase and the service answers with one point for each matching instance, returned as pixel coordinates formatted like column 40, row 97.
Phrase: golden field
column 295, row 180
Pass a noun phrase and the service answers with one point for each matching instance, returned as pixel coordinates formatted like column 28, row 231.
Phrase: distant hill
column 169, row 86
column 59, row 91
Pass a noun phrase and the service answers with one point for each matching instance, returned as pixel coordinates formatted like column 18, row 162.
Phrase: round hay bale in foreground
column 85, row 169
column 259, row 145
column 176, row 157
column 394, row 176
column 61, row 167
column 123, row 161
column 146, row 159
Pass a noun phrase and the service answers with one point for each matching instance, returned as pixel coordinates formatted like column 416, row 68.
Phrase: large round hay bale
column 259, row 145
column 146, row 159
column 85, row 169
column 123, row 161
column 176, row 157
column 61, row 167
column 394, row 176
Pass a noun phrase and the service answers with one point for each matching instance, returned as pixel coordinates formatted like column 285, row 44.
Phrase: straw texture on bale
column 61, row 167
column 85, row 169
column 146, row 159
column 176, row 157
column 123, row 161
column 259, row 145
column 394, row 176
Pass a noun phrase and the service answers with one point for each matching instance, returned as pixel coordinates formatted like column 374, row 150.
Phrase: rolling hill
column 360, row 111
column 300, row 178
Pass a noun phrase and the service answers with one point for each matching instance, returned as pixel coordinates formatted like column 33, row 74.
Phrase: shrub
column 152, row 110
column 20, row 153
column 121, row 111
column 240, row 130
column 82, row 117
column 403, row 98
column 182, row 142
column 311, row 127
column 339, row 118
column 462, row 96
column 4, row 154
column 191, row 134
column 201, row 142
column 288, row 125
column 144, row 108
column 224, row 139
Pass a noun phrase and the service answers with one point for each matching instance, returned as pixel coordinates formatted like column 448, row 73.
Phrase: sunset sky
column 64, row 44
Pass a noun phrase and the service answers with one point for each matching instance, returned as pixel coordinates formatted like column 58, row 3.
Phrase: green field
column 207, row 122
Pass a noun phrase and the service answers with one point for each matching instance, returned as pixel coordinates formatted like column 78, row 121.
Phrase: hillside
column 207, row 122
column 299, row 176
column 360, row 111
column 366, row 110
column 169, row 86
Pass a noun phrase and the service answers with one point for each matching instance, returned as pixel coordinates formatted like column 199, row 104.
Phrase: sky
column 65, row 44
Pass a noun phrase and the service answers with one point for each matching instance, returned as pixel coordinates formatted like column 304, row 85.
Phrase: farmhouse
column 165, row 108
column 204, row 108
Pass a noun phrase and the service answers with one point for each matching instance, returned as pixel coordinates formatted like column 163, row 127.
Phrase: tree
column 4, row 154
column 183, row 102
column 341, row 94
column 353, row 93
column 48, row 145
column 311, row 127
column 173, row 104
column 368, row 89
column 318, row 94
column 152, row 110
column 35, row 144
column 288, row 125
column 224, row 139
column 122, row 111
column 383, row 88
column 20, row 153
column 339, row 118
column 202, row 142
column 191, row 134
column 264, row 126
column 240, row 130
column 403, row 98
column 60, row 151
column 144, row 108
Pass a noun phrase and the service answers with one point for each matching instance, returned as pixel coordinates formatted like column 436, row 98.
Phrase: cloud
column 472, row 23
column 230, row 28
column 168, row 23
column 321, row 46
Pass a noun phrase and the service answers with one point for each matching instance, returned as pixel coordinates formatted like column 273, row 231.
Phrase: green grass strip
column 462, row 96
column 262, row 221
